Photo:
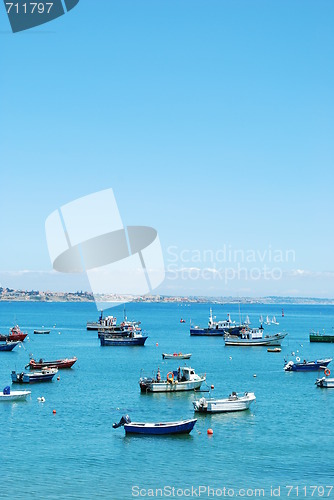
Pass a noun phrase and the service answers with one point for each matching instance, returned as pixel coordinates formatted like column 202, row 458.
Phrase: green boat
column 321, row 337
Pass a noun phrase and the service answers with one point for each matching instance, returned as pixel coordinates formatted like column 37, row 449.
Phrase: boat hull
column 160, row 429
column 225, row 405
column 176, row 356
column 13, row 337
column 322, row 338
column 123, row 341
column 14, row 396
column 274, row 340
column 42, row 332
column 215, row 332
column 59, row 363
column 8, row 346
column 164, row 386
column 30, row 378
column 319, row 364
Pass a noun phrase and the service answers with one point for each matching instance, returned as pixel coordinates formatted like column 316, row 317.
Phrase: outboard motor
column 6, row 390
column 124, row 420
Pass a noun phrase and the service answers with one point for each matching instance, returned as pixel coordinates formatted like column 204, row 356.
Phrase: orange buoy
column 54, row 412
column 157, row 344
column 212, row 387
column 327, row 372
column 209, row 432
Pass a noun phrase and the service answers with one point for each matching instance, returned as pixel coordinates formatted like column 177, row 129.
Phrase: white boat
column 184, row 379
column 325, row 382
column 261, row 319
column 274, row 321
column 176, row 355
column 8, row 395
column 235, row 402
column 267, row 322
column 254, row 337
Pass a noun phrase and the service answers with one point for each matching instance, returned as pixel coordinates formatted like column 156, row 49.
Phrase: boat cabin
column 252, row 333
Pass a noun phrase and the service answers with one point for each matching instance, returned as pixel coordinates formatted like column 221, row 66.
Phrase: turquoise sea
column 287, row 439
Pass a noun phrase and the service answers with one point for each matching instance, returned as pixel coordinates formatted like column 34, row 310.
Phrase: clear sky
column 212, row 120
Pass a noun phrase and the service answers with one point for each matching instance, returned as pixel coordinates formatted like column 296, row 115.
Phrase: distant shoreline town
column 11, row 295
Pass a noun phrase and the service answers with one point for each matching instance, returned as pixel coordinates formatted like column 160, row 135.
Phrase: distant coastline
column 11, row 295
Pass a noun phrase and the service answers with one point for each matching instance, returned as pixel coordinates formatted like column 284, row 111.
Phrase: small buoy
column 117, row 408
column 209, row 432
column 54, row 412
column 292, row 353
column 230, row 357
column 58, row 378
column 254, row 375
column 20, row 346
column 297, row 350
column 157, row 344
column 59, row 333
column 212, row 387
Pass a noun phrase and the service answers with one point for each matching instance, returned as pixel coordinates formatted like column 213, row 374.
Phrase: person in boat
column 158, row 375
column 179, row 374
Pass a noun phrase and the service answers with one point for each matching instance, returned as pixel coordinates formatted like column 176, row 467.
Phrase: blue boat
column 319, row 364
column 8, row 346
column 217, row 328
column 28, row 378
column 156, row 429
column 115, row 340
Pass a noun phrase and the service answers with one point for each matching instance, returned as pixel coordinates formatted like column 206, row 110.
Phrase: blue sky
column 211, row 120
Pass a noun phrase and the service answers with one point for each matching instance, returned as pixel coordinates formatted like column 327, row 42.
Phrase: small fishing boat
column 182, row 320
column 302, row 366
column 176, row 355
column 156, row 429
column 133, row 339
column 42, row 332
column 274, row 349
column 8, row 346
column 254, row 337
column 58, row 363
column 8, row 395
column 261, row 319
column 235, row 402
column 325, row 382
column 216, row 328
column 45, row 375
column 321, row 337
column 14, row 334
column 109, row 325
column 183, row 379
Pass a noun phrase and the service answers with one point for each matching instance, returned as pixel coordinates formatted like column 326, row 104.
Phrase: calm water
column 287, row 438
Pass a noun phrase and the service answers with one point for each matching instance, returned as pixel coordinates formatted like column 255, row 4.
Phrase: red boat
column 58, row 363
column 15, row 335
